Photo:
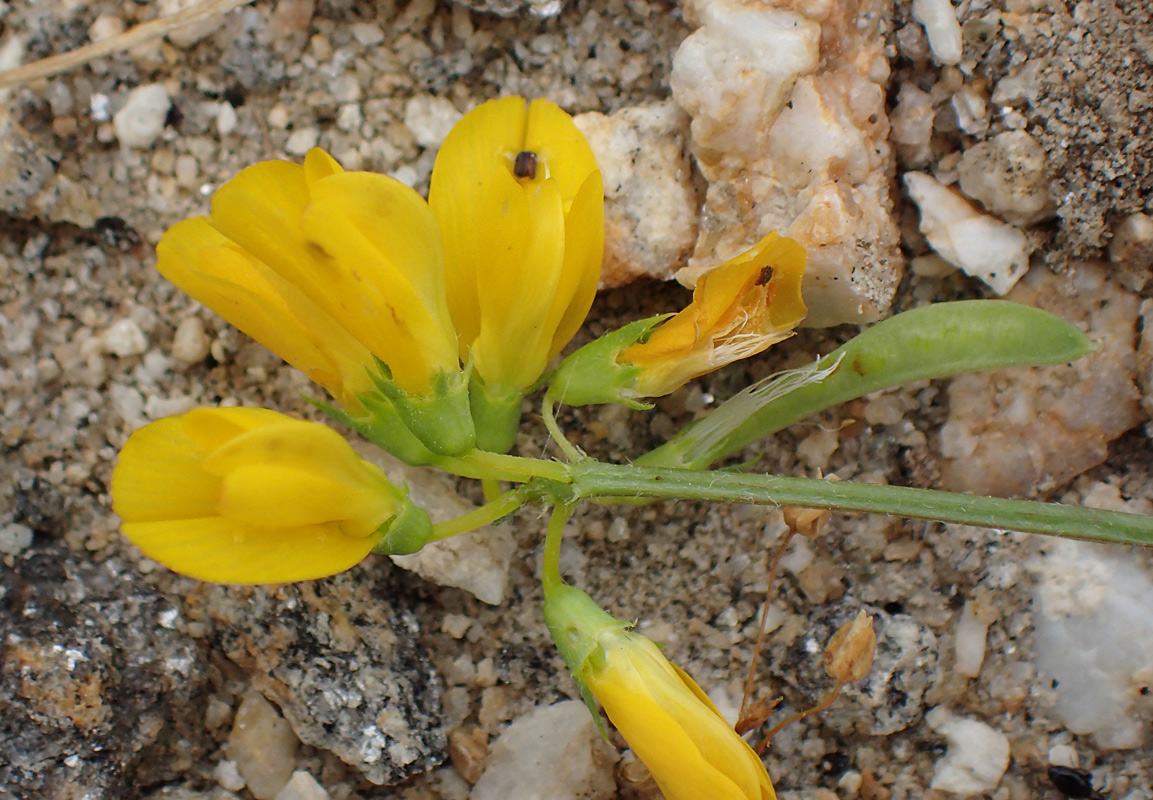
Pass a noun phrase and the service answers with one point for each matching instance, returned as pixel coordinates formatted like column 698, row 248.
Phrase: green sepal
column 409, row 530
column 594, row 375
column 495, row 414
column 442, row 420
column 383, row 427
column 575, row 623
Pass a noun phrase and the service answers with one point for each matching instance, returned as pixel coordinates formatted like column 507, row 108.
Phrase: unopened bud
column 849, row 656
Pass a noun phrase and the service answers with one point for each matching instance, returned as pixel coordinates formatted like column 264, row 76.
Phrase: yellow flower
column 520, row 204
column 331, row 270
column 670, row 724
column 246, row 495
column 739, row 309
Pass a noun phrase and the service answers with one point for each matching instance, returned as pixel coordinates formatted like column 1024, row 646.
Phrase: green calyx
column 576, row 623
column 441, row 420
column 495, row 414
column 407, row 531
column 382, row 425
column 594, row 375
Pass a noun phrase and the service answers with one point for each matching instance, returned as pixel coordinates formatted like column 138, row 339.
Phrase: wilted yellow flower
column 739, row 309
column 668, row 721
column 520, row 204
column 247, row 495
column 331, row 270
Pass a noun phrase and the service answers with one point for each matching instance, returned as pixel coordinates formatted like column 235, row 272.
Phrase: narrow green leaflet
column 928, row 342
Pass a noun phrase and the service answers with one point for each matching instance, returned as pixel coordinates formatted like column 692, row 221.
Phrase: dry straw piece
column 144, row 32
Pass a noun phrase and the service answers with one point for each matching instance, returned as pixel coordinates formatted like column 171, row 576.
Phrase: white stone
column 301, row 141
column 977, row 757
column 552, row 752
column 1008, row 176
column 1095, row 638
column 228, row 776
column 104, row 27
column 190, row 343
column 226, row 119
column 430, row 118
column 128, row 404
column 124, row 338
column 790, row 131
column 977, row 244
column 942, row 28
column 263, row 746
column 913, row 125
column 141, row 120
column 651, row 203
column 14, row 538
column 302, row 786
column 367, row 34
column 186, row 36
column 969, row 639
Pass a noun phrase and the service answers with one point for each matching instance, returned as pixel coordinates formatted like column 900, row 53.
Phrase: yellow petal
column 563, row 153
column 382, row 272
column 515, row 300
column 319, row 164
column 277, row 496
column 210, row 268
column 481, row 209
column 224, row 551
column 305, row 446
column 260, row 210
column 664, row 744
column 584, row 251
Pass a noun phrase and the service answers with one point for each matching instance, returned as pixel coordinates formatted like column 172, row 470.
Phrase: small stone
column 554, row 752
column 187, row 171
column 190, row 343
column 187, row 36
column 124, row 338
column 1008, row 176
column 1092, row 619
column 302, row 786
column 912, row 122
column 301, row 141
column 977, row 244
column 226, row 119
column 969, row 638
column 977, row 757
column 430, row 118
column 141, row 120
column 14, row 538
column 263, row 746
column 228, row 776
column 1131, row 249
column 468, row 751
column 942, row 28
column 105, row 27
column 366, row 33
column 651, row 203
column 456, row 625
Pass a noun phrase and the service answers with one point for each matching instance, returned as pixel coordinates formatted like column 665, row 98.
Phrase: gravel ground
column 121, row 680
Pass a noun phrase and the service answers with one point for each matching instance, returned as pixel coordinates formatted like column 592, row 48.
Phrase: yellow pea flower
column 668, row 721
column 520, row 203
column 247, row 495
column 332, row 270
column 738, row 310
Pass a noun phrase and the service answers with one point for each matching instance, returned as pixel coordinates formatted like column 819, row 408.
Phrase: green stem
column 548, row 413
column 550, row 566
column 592, row 479
column 485, row 515
column 483, row 465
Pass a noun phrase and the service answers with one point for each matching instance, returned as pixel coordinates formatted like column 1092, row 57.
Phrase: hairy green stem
column 550, row 566
column 488, row 513
column 592, row 479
